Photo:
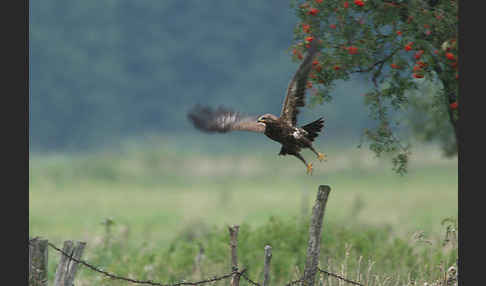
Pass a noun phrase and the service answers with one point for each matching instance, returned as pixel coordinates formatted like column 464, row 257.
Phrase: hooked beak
column 260, row 120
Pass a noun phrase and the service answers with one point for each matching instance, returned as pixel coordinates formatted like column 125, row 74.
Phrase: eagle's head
column 267, row 118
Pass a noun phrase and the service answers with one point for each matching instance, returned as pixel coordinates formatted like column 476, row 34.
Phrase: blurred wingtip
column 204, row 118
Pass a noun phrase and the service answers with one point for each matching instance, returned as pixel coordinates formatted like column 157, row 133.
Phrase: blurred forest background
column 110, row 84
column 105, row 70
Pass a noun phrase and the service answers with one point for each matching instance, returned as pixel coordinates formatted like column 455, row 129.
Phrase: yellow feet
column 309, row 168
column 321, row 156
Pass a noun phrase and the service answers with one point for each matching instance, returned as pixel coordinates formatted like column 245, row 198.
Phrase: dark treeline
column 104, row 69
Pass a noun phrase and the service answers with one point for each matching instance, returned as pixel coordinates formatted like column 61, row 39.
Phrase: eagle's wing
column 222, row 120
column 296, row 88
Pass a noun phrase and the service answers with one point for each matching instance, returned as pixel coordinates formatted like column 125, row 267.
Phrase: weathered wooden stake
column 63, row 261
column 38, row 271
column 315, row 229
column 108, row 222
column 197, row 262
column 73, row 267
column 67, row 268
column 266, row 265
column 233, row 230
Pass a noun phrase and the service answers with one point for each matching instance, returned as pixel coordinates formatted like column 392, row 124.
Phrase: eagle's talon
column 321, row 156
column 309, row 168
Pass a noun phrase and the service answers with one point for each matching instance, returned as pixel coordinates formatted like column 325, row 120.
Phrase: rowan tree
column 404, row 48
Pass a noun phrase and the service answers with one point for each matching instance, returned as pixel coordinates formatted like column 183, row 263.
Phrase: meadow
column 167, row 203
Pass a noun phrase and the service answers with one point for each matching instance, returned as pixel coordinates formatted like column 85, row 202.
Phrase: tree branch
column 448, row 95
column 380, row 62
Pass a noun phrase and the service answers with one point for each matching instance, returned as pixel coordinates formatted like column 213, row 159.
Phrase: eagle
column 282, row 129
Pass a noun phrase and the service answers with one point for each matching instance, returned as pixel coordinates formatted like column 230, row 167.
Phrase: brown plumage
column 282, row 129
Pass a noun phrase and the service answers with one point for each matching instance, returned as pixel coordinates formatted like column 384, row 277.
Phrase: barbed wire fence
column 71, row 258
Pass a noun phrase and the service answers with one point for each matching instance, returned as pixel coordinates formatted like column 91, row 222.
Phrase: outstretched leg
column 320, row 156
column 308, row 165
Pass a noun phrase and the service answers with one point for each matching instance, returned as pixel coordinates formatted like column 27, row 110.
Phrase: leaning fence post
column 73, row 267
column 38, row 271
column 266, row 265
column 233, row 230
column 67, row 268
column 63, row 261
column 313, row 246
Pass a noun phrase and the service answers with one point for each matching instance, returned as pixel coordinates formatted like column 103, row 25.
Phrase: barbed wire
column 339, row 277
column 149, row 282
column 249, row 280
column 328, row 273
column 294, row 282
column 208, row 280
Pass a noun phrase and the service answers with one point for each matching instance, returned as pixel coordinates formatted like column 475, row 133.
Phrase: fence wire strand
column 249, row 280
column 208, row 280
column 149, row 282
column 339, row 277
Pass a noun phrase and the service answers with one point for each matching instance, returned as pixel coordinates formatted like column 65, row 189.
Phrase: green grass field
column 158, row 194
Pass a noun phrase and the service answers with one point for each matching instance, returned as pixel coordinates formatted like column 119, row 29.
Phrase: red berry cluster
column 306, row 28
column 313, row 11
column 352, row 50
column 408, row 47
column 298, row 54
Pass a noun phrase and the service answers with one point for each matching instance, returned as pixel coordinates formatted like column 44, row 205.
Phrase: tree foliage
column 397, row 45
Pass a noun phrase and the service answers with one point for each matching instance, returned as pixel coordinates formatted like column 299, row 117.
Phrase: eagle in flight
column 282, row 129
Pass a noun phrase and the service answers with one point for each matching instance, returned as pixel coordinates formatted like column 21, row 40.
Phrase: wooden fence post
column 73, row 268
column 315, row 229
column 197, row 262
column 67, row 268
column 38, row 262
column 233, row 230
column 108, row 223
column 63, row 261
column 266, row 265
